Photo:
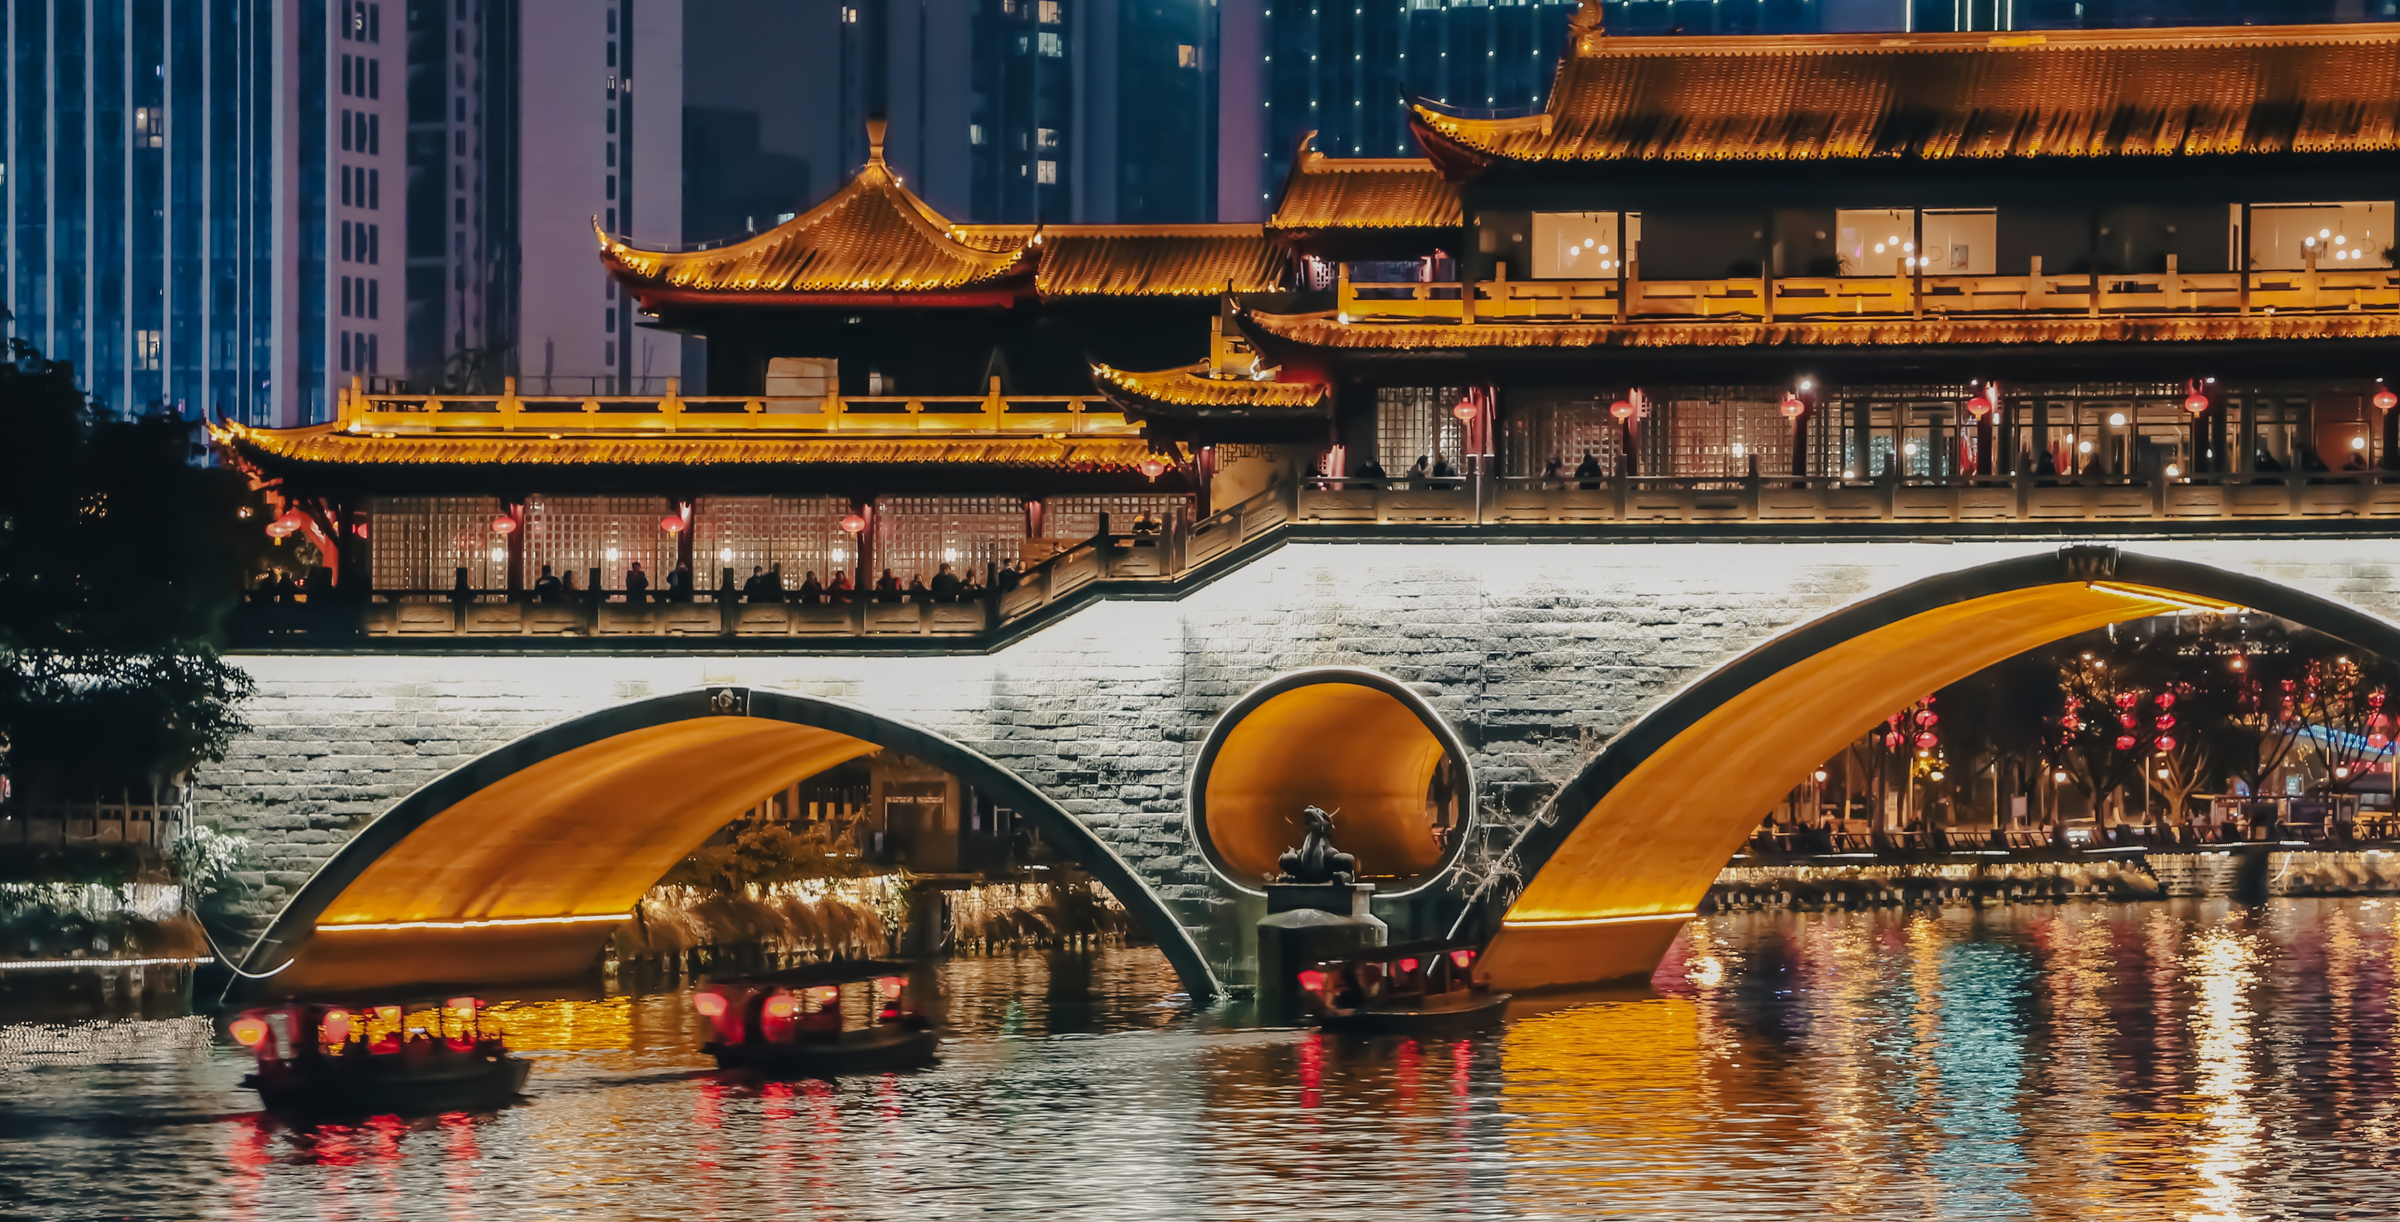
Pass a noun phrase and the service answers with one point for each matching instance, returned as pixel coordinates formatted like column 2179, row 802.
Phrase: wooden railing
column 359, row 411
column 1670, row 500
column 599, row 613
column 1903, row 295
column 154, row 819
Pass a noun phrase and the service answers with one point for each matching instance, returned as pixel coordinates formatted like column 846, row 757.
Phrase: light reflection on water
column 2164, row 1061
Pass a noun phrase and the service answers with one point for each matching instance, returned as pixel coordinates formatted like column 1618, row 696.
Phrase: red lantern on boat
column 709, row 1005
column 1408, row 965
column 1312, row 980
column 828, row 995
column 891, row 985
column 781, row 1005
column 335, row 1026
column 672, row 523
column 249, row 1031
column 1462, row 957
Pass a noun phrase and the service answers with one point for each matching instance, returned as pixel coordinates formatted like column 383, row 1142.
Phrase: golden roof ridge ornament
column 875, row 129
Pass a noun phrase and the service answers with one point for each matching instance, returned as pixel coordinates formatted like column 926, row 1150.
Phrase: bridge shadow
column 520, row 863
column 1627, row 850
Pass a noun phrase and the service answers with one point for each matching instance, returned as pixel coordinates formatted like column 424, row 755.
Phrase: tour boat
column 1416, row 988
column 790, row 1024
column 326, row 1057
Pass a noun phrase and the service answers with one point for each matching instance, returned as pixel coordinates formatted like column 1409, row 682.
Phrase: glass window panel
column 2346, row 235
column 1581, row 245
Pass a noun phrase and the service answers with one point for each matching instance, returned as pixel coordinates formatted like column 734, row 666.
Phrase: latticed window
column 575, row 534
column 420, row 542
column 1535, row 432
column 797, row 535
column 916, row 535
column 1715, row 438
column 1413, row 422
column 1072, row 519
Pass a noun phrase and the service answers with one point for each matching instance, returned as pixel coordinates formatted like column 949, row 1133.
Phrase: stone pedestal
column 1306, row 923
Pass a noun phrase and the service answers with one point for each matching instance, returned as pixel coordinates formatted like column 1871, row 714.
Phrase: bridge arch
column 1629, row 847
column 517, row 864
column 1355, row 741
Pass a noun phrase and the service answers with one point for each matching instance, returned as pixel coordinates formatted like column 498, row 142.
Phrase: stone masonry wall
column 1523, row 647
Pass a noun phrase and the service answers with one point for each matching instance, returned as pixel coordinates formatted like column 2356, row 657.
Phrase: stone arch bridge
column 399, row 801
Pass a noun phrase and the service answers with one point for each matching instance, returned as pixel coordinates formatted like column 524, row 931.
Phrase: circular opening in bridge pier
column 1358, row 744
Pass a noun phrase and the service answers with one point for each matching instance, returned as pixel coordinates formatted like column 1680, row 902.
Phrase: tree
column 119, row 561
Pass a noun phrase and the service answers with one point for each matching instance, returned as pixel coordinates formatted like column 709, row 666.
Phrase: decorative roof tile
column 1329, row 332
column 325, row 445
column 1366, row 193
column 1158, row 261
column 1189, row 387
column 2116, row 93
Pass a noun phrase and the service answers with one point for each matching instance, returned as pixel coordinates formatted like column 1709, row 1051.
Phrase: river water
column 2184, row 1060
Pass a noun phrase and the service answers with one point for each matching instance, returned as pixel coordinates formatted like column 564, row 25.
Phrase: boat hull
column 1477, row 1010
column 862, row 1052
column 387, row 1085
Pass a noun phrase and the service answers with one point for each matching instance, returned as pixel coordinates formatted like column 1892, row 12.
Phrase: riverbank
column 2249, row 871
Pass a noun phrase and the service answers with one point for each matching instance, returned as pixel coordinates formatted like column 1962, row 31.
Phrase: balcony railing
column 360, row 411
column 1797, row 298
column 603, row 614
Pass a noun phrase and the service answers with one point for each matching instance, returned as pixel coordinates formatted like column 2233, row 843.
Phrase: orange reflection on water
column 1600, row 1096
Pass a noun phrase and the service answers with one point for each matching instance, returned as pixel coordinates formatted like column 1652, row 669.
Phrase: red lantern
column 2128, row 720
column 2377, row 742
column 1891, row 741
column 2070, row 723
column 2166, row 721
column 853, row 523
column 672, row 523
column 291, row 523
column 2375, row 700
column 1793, row 407
column 1312, row 980
column 2125, row 742
column 1462, row 957
column 2125, row 700
column 2166, row 742
column 250, row 1031
column 504, row 525
column 335, row 1026
column 781, row 1005
column 1408, row 965
column 2195, row 403
column 2385, row 400
column 1927, row 718
column 1152, row 468
column 891, row 985
column 709, row 1005
column 1465, row 410
column 1979, row 407
column 1622, row 409
column 2166, row 700
column 1926, row 741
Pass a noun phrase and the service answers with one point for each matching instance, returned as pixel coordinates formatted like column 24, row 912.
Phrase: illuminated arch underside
column 581, row 834
column 515, row 866
column 1347, row 747
column 1613, row 895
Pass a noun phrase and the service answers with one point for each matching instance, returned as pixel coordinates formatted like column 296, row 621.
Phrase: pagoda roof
column 1323, row 193
column 1176, row 402
column 328, row 445
column 874, row 242
column 1946, row 97
column 871, row 240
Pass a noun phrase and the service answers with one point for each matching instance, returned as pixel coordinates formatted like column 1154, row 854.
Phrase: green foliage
column 107, row 865
column 119, row 561
column 205, row 860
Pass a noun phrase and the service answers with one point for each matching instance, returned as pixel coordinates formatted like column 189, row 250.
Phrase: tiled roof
column 872, row 236
column 2309, row 89
column 1187, row 388
column 1158, row 261
column 1366, row 193
column 323, row 444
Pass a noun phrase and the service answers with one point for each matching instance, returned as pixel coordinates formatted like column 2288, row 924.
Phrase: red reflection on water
column 1405, row 1076
column 460, row 1152
column 1312, row 1069
column 247, row 1155
column 825, row 1153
